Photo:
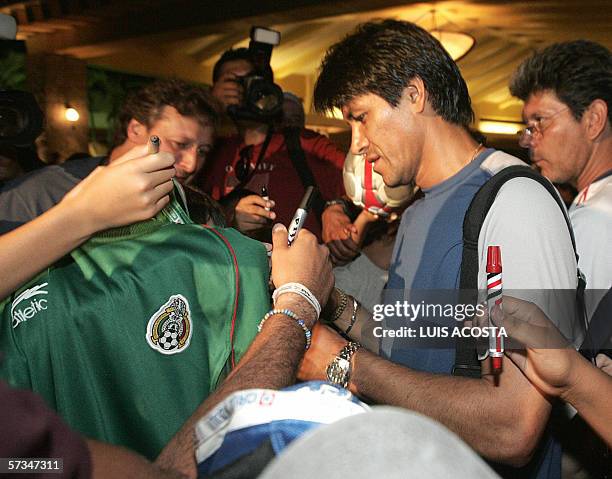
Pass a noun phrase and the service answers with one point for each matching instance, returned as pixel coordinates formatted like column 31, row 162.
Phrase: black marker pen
column 153, row 145
column 264, row 195
column 299, row 218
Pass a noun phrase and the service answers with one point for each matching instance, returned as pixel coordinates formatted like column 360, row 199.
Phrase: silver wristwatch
column 339, row 370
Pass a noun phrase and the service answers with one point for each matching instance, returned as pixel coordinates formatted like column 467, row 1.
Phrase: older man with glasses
column 567, row 90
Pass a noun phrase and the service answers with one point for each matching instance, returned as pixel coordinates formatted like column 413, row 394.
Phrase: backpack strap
column 466, row 358
column 600, row 328
column 298, row 158
column 237, row 288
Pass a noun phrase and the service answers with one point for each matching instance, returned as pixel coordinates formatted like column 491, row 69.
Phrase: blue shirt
column 427, row 256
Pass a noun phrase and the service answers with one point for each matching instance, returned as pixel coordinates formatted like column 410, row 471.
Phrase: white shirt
column 591, row 216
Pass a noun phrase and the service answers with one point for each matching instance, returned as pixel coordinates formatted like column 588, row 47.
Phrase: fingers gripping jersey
column 128, row 335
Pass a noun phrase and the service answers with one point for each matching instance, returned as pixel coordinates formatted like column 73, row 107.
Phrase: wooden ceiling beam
column 217, row 47
column 123, row 21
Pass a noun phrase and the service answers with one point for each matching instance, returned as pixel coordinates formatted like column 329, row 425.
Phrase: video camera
column 263, row 99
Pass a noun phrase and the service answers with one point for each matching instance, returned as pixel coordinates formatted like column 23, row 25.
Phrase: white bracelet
column 300, row 289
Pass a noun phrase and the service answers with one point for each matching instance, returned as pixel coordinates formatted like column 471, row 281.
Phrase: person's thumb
column 136, row 152
column 279, row 236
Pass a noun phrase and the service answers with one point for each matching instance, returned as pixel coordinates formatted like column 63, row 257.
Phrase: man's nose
column 186, row 162
column 359, row 142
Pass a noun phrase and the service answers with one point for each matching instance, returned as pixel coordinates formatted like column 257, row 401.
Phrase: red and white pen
column 494, row 297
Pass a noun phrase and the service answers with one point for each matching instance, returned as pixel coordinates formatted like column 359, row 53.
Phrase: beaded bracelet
column 289, row 314
column 300, row 289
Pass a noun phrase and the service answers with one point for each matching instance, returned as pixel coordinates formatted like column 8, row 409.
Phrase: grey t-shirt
column 29, row 196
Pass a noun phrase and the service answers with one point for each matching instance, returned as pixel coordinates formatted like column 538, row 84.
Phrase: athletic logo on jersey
column 169, row 329
column 20, row 313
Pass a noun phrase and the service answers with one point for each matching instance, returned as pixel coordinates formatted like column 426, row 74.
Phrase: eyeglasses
column 243, row 165
column 538, row 126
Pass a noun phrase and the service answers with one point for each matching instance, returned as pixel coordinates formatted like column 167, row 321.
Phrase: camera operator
column 242, row 164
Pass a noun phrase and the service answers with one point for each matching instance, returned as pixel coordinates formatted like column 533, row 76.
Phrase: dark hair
column 230, row 56
column 382, row 58
column 578, row 72
column 202, row 208
column 146, row 105
column 240, row 54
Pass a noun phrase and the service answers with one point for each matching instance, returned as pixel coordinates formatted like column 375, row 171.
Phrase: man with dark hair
column 567, row 90
column 409, row 110
column 182, row 115
column 241, row 165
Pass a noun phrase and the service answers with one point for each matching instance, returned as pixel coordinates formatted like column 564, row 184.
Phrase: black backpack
column 466, row 357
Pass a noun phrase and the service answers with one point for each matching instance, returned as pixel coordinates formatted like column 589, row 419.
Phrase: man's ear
column 137, row 132
column 415, row 93
column 595, row 118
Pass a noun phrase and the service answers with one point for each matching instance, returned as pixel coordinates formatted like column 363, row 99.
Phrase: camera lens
column 265, row 98
column 266, row 101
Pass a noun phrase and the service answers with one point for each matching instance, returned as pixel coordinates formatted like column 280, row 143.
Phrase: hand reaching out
column 251, row 214
column 337, row 235
column 305, row 262
column 132, row 188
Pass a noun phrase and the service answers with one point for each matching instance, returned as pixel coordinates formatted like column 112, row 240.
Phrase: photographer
column 240, row 165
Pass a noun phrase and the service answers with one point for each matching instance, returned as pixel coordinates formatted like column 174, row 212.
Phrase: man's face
column 387, row 135
column 235, row 68
column 558, row 145
column 186, row 139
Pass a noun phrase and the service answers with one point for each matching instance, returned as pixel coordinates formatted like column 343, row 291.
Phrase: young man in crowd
column 180, row 114
column 409, row 111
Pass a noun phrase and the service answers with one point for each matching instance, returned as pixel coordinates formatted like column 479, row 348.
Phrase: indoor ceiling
column 184, row 38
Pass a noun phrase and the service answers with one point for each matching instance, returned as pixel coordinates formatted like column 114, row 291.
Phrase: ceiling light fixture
column 456, row 43
column 500, row 127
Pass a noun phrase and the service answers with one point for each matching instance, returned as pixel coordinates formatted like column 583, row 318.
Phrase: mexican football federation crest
column 169, row 329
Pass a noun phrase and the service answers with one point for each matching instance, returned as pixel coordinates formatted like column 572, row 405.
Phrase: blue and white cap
column 244, row 421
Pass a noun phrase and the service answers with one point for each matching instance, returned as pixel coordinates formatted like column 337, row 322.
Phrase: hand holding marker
column 299, row 218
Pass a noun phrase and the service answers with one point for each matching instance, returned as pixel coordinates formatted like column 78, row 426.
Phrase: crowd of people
column 137, row 286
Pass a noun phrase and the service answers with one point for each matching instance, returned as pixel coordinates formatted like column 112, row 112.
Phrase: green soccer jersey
column 131, row 332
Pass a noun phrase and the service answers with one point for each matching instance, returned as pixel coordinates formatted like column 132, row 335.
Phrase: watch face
column 338, row 371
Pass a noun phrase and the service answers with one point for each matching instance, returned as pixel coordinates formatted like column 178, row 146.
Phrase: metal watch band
column 347, row 351
column 339, row 370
